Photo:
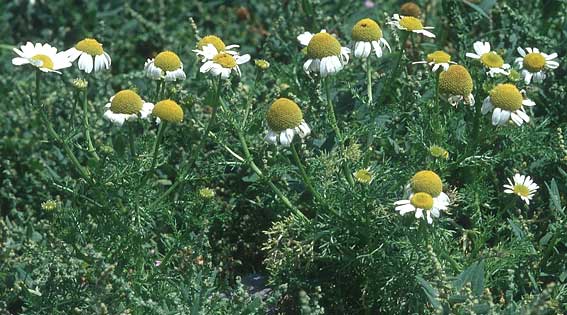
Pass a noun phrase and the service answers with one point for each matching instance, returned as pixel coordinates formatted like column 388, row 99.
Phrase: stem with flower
column 369, row 82
column 304, row 176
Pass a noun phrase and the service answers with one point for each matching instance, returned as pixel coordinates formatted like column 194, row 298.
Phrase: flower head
column 91, row 55
column 262, row 64
column 534, row 63
column 43, row 56
column 366, row 35
column 221, row 63
column 438, row 152
column 428, row 182
column 423, row 202
column 166, row 66
column 411, row 24
column 216, row 42
column 168, row 110
column 506, row 101
column 436, row 60
column 490, row 59
column 363, row 176
column 325, row 53
column 285, row 120
column 206, row 193
column 127, row 105
column 410, row 9
column 457, row 84
column 522, row 186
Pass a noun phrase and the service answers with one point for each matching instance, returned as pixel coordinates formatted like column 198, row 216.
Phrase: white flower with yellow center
column 533, row 64
column 411, row 24
column 366, row 35
column 285, row 120
column 215, row 41
column 426, row 194
column 42, row 56
column 522, row 186
column 490, row 59
column 90, row 54
column 506, row 101
column 456, row 84
column 221, row 63
column 436, row 60
column 325, row 53
column 166, row 65
column 127, row 105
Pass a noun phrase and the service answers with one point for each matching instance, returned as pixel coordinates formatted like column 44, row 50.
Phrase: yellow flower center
column 366, row 30
column 521, row 190
column 438, row 152
column 168, row 110
column 422, row 200
column 167, row 61
column 410, row 23
column 428, row 182
column 225, row 60
column 213, row 40
column 456, row 81
column 363, row 176
column 506, row 96
column 492, row 60
column 439, row 57
column 91, row 46
column 284, row 114
column 46, row 62
column 323, row 45
column 410, row 9
column 126, row 102
column 534, row 62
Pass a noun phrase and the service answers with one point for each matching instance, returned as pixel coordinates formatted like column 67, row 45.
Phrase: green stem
column 304, row 176
column 249, row 105
column 369, row 82
column 437, row 132
column 156, row 146
column 86, row 126
column 130, row 126
column 476, row 125
column 158, row 87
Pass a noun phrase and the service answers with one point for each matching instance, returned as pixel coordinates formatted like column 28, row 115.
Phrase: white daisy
column 166, row 66
column 221, row 63
column 489, row 59
column 366, row 35
column 42, row 56
column 285, row 120
column 215, row 41
column 534, row 64
column 436, row 60
column 127, row 105
column 423, row 202
column 523, row 186
column 90, row 54
column 456, row 84
column 411, row 24
column 506, row 102
column 325, row 53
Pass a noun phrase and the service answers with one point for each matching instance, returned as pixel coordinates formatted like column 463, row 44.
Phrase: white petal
column 305, row 38
column 86, row 63
column 496, row 116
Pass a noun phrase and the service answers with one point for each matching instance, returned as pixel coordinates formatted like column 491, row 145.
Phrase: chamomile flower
column 43, row 56
column 221, row 63
column 168, row 110
column 456, row 83
column 522, row 186
column 411, row 24
column 363, row 176
column 366, row 35
column 534, row 63
column 436, row 60
column 285, row 120
column 325, row 53
column 422, row 202
column 90, row 54
column 127, row 105
column 438, row 152
column 217, row 43
column 506, row 101
column 490, row 59
column 166, row 66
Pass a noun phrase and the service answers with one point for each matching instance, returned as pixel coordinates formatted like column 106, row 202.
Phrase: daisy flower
column 490, row 59
column 506, row 101
column 534, row 63
column 166, row 65
column 456, row 83
column 127, row 105
column 367, row 34
column 168, row 110
column 285, row 120
column 90, row 54
column 523, row 186
column 215, row 41
column 436, row 60
column 221, row 63
column 411, row 24
column 325, row 53
column 363, row 176
column 42, row 56
column 422, row 202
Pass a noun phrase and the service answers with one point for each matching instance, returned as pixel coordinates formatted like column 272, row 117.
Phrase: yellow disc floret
column 506, row 96
column 91, row 46
column 521, row 190
column 46, row 62
column 422, row 200
column 126, row 102
column 438, row 152
column 284, row 114
column 323, row 45
column 225, row 60
column 410, row 9
column 363, row 176
column 492, row 60
column 439, row 57
column 456, row 81
column 410, row 23
column 168, row 110
column 366, row 30
column 427, row 182
column 167, row 61
column 534, row 62
column 213, row 40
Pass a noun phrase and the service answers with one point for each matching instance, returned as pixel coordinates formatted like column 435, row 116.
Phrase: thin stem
column 304, row 176
column 369, row 82
column 437, row 132
column 249, row 105
column 130, row 127
column 158, row 87
column 156, row 146
column 86, row 126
